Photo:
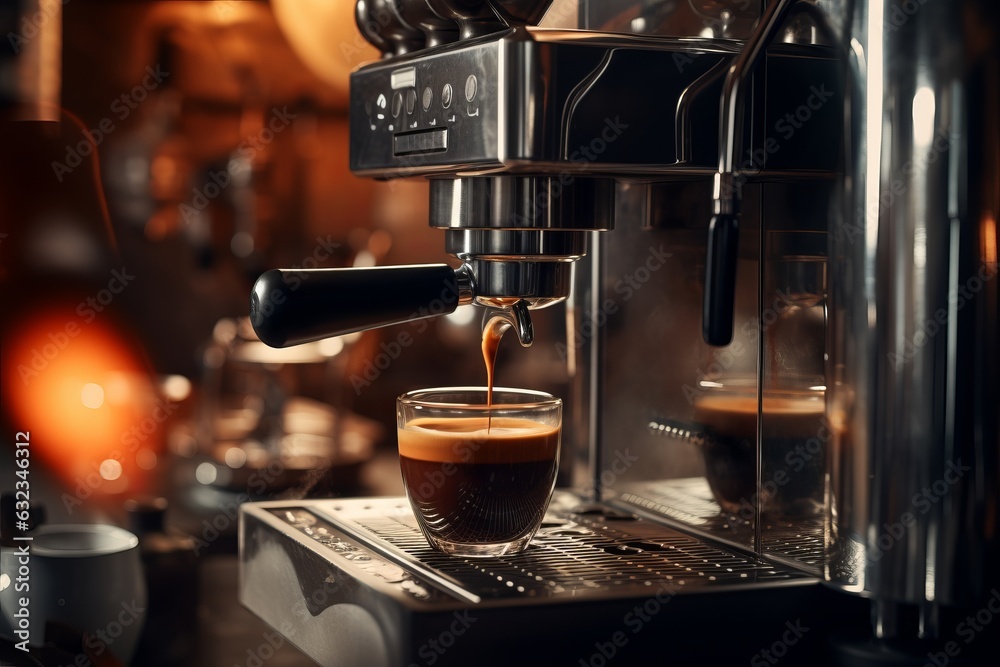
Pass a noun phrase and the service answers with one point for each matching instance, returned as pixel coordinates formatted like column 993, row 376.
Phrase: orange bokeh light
column 77, row 388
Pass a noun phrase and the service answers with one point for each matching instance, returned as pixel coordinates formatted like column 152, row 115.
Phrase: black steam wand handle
column 290, row 307
column 720, row 279
column 723, row 229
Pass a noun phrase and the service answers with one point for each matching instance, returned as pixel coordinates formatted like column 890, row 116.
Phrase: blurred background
column 157, row 157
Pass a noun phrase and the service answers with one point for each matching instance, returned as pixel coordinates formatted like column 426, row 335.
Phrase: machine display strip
column 403, row 78
column 422, row 141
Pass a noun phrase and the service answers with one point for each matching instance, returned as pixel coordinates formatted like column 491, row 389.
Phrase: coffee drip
column 493, row 332
column 496, row 322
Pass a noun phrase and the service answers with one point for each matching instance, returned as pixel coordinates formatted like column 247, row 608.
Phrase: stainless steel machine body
column 811, row 187
column 914, row 382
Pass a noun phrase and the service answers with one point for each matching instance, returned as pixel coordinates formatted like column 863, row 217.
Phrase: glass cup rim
column 811, row 387
column 541, row 399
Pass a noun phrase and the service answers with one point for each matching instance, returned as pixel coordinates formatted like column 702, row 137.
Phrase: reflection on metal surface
column 516, row 316
column 914, row 309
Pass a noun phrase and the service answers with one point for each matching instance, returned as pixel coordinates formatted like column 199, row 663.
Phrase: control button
column 411, row 101
column 470, row 87
column 427, row 98
column 397, row 104
column 446, row 94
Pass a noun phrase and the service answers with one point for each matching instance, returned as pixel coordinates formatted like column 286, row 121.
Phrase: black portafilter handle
column 720, row 279
column 289, row 307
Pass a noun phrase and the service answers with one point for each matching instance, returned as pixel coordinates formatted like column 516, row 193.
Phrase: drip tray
column 338, row 577
column 691, row 502
column 579, row 549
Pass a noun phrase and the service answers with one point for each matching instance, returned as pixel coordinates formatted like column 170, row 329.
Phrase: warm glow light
column 176, row 387
column 242, row 244
column 462, row 316
column 989, row 227
column 146, row 459
column 118, row 388
column 92, row 395
column 111, row 469
column 235, row 457
column 364, row 258
column 214, row 358
column 205, row 473
column 81, row 388
column 325, row 36
column 379, row 242
column 330, row 347
column 183, row 444
column 923, row 116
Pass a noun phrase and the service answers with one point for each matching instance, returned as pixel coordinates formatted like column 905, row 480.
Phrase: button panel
column 407, row 98
column 454, row 91
column 496, row 122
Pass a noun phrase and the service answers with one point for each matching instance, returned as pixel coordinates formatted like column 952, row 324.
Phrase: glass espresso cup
column 479, row 478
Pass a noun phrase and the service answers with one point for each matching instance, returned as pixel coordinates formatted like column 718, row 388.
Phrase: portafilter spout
column 514, row 316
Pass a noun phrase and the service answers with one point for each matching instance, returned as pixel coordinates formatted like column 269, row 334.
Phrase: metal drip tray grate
column 690, row 501
column 579, row 550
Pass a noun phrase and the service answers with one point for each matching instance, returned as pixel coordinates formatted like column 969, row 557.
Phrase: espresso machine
column 772, row 227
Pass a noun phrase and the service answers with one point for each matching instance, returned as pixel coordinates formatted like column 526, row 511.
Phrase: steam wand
column 724, row 227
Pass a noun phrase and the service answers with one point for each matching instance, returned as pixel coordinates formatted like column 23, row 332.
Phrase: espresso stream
column 492, row 334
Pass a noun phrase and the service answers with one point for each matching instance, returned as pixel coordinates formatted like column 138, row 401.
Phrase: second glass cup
column 479, row 478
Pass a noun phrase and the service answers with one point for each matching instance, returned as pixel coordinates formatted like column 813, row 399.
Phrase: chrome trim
column 731, row 114
column 465, row 281
column 516, row 316
column 521, row 202
column 509, row 244
column 914, row 382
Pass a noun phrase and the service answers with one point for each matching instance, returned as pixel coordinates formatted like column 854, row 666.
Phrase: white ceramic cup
column 86, row 577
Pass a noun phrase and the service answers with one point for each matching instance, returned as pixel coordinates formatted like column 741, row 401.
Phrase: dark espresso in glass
column 480, row 479
column 793, row 451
